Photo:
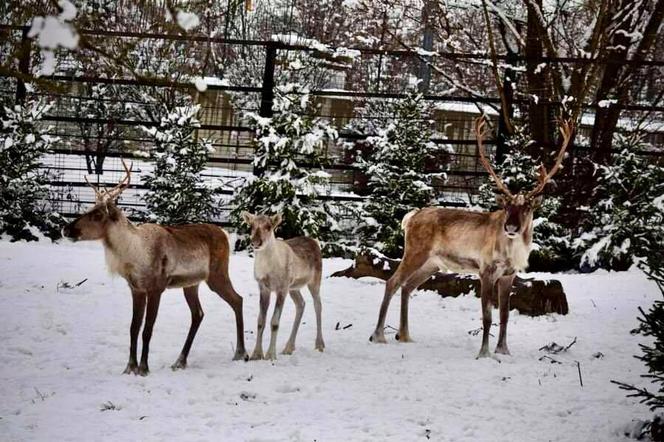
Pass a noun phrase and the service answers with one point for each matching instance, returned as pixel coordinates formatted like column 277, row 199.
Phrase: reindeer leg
column 299, row 309
column 409, row 265
column 486, row 282
column 138, row 298
column 221, row 284
column 314, row 289
column 276, row 316
column 504, row 285
column 191, row 295
column 417, row 279
column 264, row 304
column 150, row 317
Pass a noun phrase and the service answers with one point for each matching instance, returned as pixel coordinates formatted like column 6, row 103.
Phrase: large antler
column 98, row 194
column 566, row 130
column 123, row 184
column 480, row 133
column 115, row 191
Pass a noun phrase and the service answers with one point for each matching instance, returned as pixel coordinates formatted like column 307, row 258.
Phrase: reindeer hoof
column 180, row 364
column 256, row 356
column 484, row 353
column 241, row 356
column 288, row 350
column 131, row 369
column 271, row 355
column 503, row 350
column 143, row 370
column 404, row 338
column 377, row 338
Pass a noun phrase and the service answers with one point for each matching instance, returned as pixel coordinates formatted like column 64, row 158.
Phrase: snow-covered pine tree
column 627, row 223
column 625, row 227
column 552, row 249
column 23, row 189
column 282, row 143
column 176, row 192
column 651, row 324
column 396, row 163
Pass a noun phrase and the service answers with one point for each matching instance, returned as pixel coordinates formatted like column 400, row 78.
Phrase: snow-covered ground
column 62, row 352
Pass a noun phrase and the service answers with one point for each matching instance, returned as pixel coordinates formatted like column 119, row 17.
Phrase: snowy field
column 62, row 351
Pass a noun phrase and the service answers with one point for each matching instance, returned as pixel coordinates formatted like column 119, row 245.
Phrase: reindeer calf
column 283, row 267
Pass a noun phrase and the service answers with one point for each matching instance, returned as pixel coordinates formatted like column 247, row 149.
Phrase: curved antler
column 480, row 133
column 105, row 194
column 123, row 184
column 98, row 194
column 566, row 130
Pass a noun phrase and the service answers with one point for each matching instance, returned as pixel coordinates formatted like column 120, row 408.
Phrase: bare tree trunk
column 616, row 79
column 539, row 115
column 531, row 297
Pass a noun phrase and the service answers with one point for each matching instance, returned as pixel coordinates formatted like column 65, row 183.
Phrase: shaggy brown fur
column 151, row 258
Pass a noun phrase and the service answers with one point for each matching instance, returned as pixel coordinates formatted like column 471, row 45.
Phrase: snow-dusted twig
column 553, row 361
column 67, row 285
column 578, row 366
column 109, row 406
column 555, row 348
column 447, row 78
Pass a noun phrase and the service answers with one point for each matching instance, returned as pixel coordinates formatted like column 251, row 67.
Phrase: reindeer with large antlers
column 495, row 245
column 152, row 258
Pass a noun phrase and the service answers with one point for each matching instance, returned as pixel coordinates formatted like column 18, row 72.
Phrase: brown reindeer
column 152, row 258
column 495, row 245
column 283, row 267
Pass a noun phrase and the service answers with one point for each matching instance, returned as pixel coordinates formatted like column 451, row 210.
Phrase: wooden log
column 533, row 297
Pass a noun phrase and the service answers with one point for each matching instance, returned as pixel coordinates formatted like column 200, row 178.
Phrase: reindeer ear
column 537, row 201
column 502, row 200
column 276, row 220
column 113, row 211
column 247, row 217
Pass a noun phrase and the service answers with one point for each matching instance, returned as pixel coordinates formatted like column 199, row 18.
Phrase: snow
column 606, row 103
column 216, row 81
column 52, row 32
column 455, row 106
column 188, row 21
column 201, row 84
column 63, row 350
column 350, row 4
column 659, row 203
column 68, row 10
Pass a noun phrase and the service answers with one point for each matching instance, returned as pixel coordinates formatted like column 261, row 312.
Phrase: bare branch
column 494, row 67
column 508, row 24
column 448, row 79
column 548, row 43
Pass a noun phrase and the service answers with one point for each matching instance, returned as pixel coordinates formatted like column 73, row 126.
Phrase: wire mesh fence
column 95, row 129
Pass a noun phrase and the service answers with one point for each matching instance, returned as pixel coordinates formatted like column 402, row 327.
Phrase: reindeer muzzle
column 511, row 230
column 71, row 231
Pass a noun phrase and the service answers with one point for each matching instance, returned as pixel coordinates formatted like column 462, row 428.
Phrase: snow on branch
column 53, row 32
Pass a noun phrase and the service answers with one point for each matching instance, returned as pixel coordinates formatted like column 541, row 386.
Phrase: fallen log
column 529, row 296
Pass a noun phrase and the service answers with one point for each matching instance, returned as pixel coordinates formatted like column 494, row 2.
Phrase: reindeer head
column 262, row 228
column 94, row 223
column 519, row 208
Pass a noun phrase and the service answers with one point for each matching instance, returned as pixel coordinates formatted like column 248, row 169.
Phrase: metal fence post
column 267, row 91
column 23, row 65
column 424, row 71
